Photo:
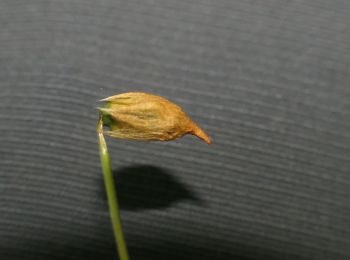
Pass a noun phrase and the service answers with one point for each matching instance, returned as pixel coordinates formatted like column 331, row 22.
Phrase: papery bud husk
column 142, row 116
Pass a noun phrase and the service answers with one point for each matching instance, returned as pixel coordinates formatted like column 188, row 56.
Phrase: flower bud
column 141, row 116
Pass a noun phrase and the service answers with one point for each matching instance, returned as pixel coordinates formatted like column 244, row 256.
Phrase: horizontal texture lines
column 267, row 80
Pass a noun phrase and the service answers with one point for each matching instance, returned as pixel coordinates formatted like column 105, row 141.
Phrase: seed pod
column 142, row 116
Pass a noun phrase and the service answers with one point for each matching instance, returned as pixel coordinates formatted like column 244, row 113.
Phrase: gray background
column 268, row 80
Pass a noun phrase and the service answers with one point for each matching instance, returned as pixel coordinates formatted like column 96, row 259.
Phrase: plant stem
column 111, row 194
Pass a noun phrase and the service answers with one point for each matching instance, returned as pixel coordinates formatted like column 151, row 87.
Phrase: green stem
column 111, row 194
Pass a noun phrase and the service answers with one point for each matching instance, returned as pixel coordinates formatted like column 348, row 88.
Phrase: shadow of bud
column 148, row 187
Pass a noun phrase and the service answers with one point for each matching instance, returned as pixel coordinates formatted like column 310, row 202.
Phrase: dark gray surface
column 268, row 80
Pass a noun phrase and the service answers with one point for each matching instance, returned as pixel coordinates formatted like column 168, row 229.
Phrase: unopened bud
column 142, row 116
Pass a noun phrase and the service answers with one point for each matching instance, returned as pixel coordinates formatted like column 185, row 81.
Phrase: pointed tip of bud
column 197, row 131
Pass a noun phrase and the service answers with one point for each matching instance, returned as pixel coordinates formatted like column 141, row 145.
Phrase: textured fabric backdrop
column 268, row 80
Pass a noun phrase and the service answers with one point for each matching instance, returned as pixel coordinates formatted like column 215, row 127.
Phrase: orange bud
column 141, row 116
